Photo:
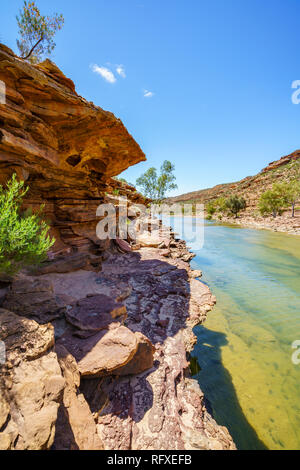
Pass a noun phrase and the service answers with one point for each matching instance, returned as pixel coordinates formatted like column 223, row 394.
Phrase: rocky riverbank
column 109, row 369
column 284, row 223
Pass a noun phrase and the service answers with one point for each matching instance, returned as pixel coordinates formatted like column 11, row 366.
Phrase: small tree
column 293, row 194
column 235, row 204
column 148, row 183
column 155, row 187
column 36, row 32
column 274, row 200
column 24, row 238
column 166, row 180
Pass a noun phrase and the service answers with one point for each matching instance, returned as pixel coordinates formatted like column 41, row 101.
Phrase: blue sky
column 217, row 75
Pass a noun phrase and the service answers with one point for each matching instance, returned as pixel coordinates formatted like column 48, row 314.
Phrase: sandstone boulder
column 150, row 239
column 194, row 273
column 96, row 313
column 31, row 384
column 107, row 352
column 123, row 245
column 102, row 353
column 141, row 361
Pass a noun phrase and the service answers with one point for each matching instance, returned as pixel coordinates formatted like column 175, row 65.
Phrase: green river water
column 244, row 347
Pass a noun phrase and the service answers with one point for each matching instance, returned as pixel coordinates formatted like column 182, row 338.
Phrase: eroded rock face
column 31, row 384
column 65, row 148
column 161, row 408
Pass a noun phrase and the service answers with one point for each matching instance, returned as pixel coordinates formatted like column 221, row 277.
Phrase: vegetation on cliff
column 24, row 238
column 36, row 32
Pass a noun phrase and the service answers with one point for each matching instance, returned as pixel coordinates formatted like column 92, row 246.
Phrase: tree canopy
column 235, row 204
column 273, row 201
column 156, row 187
column 36, row 32
column 279, row 197
column 293, row 194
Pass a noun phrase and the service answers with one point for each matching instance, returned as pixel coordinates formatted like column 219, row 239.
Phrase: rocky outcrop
column 282, row 161
column 161, row 408
column 65, row 148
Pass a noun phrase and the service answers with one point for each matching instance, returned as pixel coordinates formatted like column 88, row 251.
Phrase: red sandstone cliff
column 64, row 147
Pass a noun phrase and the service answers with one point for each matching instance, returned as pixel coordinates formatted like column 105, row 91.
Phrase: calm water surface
column 244, row 348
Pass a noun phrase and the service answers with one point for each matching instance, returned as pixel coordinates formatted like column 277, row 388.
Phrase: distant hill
column 250, row 187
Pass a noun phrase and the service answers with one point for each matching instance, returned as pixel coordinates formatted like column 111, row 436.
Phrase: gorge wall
column 250, row 187
column 98, row 338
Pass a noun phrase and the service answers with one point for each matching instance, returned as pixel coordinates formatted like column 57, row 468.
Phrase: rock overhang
column 45, row 119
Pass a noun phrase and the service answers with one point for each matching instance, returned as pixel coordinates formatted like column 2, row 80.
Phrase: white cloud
column 121, row 71
column 105, row 73
column 148, row 94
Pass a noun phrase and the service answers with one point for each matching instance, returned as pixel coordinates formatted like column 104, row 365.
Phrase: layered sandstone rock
column 66, row 149
column 282, row 161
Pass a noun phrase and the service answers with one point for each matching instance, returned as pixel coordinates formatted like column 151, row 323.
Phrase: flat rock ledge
column 109, row 370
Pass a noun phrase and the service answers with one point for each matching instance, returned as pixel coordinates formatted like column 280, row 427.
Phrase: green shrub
column 235, row 204
column 211, row 209
column 24, row 238
column 273, row 201
column 221, row 204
